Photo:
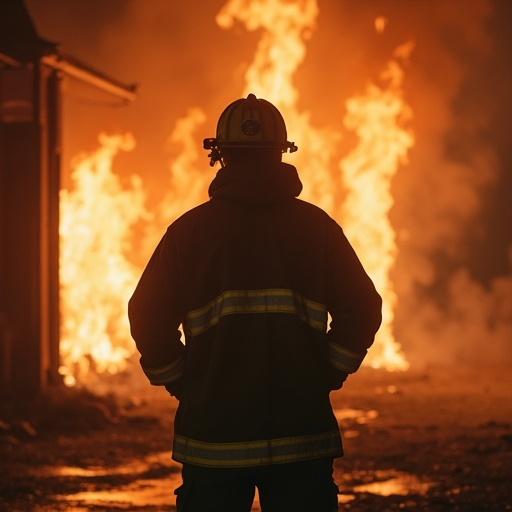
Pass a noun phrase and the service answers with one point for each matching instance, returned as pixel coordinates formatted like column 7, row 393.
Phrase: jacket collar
column 255, row 185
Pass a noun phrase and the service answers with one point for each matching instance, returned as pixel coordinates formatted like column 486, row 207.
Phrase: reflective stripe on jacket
column 232, row 302
column 256, row 453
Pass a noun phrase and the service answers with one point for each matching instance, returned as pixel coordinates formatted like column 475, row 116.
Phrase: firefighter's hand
column 336, row 378
column 174, row 388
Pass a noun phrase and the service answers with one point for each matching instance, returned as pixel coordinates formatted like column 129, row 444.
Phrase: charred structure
column 31, row 73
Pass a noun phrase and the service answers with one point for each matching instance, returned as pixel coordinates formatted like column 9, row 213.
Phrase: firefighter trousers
column 306, row 486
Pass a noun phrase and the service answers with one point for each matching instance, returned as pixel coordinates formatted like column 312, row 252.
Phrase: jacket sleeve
column 155, row 314
column 354, row 305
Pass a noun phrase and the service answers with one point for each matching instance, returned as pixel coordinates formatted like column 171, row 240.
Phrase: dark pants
column 297, row 487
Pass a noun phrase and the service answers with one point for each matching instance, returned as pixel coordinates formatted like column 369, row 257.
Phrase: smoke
column 447, row 312
column 453, row 273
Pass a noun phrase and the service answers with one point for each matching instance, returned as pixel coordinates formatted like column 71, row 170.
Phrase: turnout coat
column 252, row 276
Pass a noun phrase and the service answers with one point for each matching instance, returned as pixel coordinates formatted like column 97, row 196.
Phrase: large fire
column 99, row 213
column 96, row 277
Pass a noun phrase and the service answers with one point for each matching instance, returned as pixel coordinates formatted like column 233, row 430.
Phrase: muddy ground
column 430, row 440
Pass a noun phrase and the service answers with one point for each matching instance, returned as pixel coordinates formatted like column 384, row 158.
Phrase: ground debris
column 438, row 445
column 65, row 410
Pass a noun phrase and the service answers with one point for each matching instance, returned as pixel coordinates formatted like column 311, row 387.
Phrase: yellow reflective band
column 345, row 359
column 165, row 374
column 256, row 453
column 273, row 300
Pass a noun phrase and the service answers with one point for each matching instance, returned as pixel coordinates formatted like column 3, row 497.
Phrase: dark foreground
column 435, row 440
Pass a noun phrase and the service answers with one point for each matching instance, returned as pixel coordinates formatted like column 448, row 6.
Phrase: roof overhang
column 75, row 69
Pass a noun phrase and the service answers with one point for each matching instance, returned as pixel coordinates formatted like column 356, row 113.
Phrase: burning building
column 401, row 111
column 380, row 98
column 31, row 74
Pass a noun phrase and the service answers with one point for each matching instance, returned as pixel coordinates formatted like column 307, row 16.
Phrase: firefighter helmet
column 249, row 123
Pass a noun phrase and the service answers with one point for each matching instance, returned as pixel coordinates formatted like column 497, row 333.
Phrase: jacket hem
column 257, row 453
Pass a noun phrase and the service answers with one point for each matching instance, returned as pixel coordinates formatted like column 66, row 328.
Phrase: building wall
column 29, row 194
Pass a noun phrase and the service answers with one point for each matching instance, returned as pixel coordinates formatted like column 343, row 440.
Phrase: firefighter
column 251, row 276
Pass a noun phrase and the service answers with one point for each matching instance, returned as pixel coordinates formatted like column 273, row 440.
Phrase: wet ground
column 430, row 440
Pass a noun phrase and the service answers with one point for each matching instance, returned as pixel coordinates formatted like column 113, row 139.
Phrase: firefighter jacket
column 252, row 276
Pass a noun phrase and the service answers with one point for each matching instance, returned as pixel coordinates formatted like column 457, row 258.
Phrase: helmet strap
column 214, row 154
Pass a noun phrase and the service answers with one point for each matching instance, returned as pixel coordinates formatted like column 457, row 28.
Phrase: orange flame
column 96, row 279
column 98, row 217
column 378, row 117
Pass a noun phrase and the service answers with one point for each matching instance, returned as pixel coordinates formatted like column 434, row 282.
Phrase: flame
column 186, row 172
column 281, row 47
column 285, row 28
column 99, row 215
column 188, row 181
column 379, row 118
column 96, row 279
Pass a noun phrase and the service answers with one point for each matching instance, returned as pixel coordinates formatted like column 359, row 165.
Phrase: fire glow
column 99, row 214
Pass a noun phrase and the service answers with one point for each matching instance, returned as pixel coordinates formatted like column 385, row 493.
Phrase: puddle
column 345, row 498
column 146, row 493
column 142, row 492
column 158, row 493
column 400, row 484
column 357, row 415
column 132, row 468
